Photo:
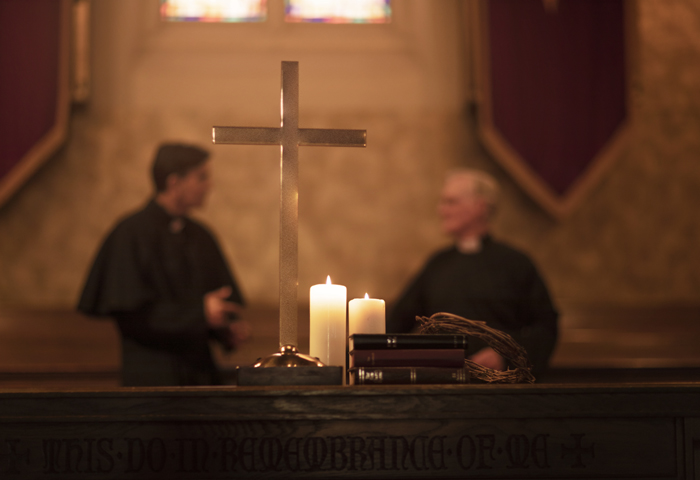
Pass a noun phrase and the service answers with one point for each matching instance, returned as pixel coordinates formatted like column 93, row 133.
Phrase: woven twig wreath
column 500, row 341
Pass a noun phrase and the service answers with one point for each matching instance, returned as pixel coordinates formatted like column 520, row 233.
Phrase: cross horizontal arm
column 332, row 138
column 247, row 135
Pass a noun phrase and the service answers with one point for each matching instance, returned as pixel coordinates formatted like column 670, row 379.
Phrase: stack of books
column 405, row 359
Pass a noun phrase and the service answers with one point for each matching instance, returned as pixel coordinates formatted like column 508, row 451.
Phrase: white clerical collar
column 469, row 245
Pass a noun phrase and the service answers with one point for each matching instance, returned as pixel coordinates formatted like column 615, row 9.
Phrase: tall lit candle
column 366, row 315
column 327, row 323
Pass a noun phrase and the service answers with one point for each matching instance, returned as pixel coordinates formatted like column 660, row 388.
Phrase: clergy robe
column 496, row 284
column 151, row 275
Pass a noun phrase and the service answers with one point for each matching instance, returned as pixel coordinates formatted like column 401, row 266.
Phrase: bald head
column 468, row 200
column 477, row 183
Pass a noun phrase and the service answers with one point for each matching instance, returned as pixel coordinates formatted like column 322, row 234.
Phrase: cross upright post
column 290, row 137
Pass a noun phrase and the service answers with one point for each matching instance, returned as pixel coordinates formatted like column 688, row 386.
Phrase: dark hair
column 175, row 158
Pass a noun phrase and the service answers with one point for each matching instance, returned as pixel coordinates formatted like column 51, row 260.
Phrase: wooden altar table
column 593, row 431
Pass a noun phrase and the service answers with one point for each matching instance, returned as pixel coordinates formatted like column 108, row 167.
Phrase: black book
column 408, row 376
column 378, row 341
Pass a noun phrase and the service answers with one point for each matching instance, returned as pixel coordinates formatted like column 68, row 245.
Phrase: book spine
column 407, row 358
column 410, row 341
column 408, row 376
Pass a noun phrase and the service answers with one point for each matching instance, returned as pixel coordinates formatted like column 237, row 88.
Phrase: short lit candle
column 366, row 315
column 327, row 323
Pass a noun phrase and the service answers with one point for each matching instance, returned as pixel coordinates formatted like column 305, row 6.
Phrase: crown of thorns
column 500, row 341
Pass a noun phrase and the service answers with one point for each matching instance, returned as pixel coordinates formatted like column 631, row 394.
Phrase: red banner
column 554, row 84
column 34, row 95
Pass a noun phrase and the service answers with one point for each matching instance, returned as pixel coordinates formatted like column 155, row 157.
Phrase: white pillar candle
column 366, row 315
column 327, row 323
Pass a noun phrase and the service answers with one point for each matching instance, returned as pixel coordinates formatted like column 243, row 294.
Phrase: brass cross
column 290, row 137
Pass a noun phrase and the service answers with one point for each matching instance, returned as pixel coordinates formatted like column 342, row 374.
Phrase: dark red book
column 408, row 376
column 427, row 357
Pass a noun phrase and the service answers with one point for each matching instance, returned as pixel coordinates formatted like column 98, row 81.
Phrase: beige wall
column 367, row 216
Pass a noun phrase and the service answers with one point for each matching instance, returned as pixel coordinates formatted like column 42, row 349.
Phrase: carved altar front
column 473, row 431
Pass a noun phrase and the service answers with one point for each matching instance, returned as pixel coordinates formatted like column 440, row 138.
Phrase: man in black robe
column 163, row 278
column 480, row 278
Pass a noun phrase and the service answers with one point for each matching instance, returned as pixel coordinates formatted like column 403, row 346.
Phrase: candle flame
column 367, row 295
column 328, row 280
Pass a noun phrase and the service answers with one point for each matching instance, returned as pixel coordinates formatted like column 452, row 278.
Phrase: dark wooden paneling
column 621, row 336
column 588, row 431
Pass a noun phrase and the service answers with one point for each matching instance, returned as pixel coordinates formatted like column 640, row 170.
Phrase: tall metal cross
column 290, row 137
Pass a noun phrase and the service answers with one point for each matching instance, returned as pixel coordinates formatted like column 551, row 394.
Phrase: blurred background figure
column 161, row 275
column 480, row 278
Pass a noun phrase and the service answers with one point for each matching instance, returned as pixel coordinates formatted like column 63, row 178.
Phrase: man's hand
column 487, row 357
column 232, row 335
column 239, row 331
column 217, row 308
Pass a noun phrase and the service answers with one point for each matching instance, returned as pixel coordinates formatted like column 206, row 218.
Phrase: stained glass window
column 338, row 11
column 213, row 10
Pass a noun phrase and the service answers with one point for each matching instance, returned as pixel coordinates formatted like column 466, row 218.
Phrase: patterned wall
column 367, row 217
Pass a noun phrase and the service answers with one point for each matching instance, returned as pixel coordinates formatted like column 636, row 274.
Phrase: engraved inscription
column 71, row 455
column 136, row 455
column 340, row 448
column 10, row 462
column 577, row 451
